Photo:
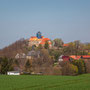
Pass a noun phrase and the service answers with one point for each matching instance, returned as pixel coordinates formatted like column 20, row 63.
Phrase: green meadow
column 28, row 82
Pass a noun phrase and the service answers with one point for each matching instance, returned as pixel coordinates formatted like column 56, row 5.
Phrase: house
column 39, row 39
column 13, row 73
column 20, row 56
column 60, row 58
column 64, row 58
column 33, row 54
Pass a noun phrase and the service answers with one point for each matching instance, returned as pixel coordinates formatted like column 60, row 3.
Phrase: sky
column 65, row 19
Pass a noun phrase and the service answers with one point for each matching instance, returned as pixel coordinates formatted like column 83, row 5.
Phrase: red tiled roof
column 75, row 57
column 44, row 40
column 65, row 45
column 78, row 57
column 86, row 56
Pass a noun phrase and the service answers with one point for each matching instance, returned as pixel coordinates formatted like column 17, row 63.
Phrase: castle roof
column 44, row 40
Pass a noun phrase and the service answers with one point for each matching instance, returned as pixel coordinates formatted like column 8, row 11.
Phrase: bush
column 69, row 69
column 57, row 70
column 81, row 66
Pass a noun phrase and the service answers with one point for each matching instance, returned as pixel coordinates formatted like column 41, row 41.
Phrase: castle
column 39, row 39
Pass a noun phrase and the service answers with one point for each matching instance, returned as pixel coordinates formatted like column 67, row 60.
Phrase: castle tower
column 39, row 35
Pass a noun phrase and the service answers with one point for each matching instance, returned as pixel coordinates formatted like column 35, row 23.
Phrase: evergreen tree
column 6, row 65
column 28, row 66
column 40, row 46
column 46, row 46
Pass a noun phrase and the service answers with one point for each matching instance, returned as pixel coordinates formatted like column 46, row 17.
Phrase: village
column 39, row 40
column 43, row 56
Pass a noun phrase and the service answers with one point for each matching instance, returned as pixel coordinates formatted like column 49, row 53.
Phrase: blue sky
column 66, row 19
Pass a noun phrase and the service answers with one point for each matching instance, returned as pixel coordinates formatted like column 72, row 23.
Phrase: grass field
column 27, row 82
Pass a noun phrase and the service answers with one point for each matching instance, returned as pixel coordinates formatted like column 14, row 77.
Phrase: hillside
column 17, row 47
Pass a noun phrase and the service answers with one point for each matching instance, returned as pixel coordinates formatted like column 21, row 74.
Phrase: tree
column 16, row 62
column 6, row 65
column 40, row 46
column 46, row 46
column 70, row 49
column 58, row 42
column 43, row 63
column 87, row 64
column 74, row 48
column 17, row 47
column 68, row 68
column 87, row 46
column 55, row 53
column 77, row 44
column 28, row 66
column 81, row 66
column 57, row 70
